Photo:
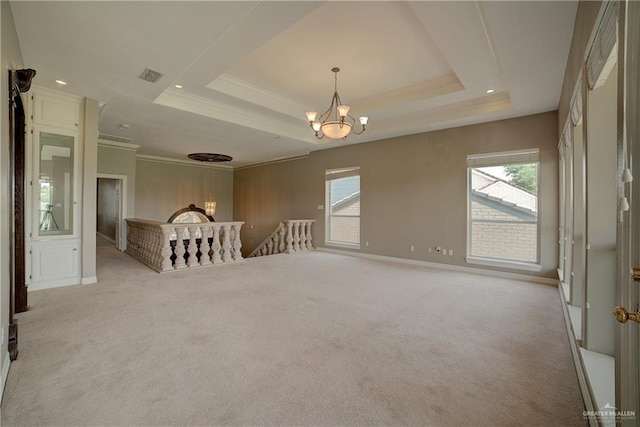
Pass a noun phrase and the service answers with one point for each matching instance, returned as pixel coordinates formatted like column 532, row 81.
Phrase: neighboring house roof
column 344, row 187
column 504, row 192
column 345, row 201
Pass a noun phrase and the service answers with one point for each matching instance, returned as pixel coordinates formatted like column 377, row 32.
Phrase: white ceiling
column 250, row 69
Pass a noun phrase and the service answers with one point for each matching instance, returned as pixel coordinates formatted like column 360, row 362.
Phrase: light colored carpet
column 303, row 339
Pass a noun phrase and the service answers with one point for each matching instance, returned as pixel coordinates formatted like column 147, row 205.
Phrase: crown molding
column 160, row 159
column 272, row 162
column 118, row 145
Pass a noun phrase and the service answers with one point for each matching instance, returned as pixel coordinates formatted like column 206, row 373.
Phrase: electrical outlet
column 438, row 249
column 444, row 251
column 413, row 248
column 429, row 249
column 450, row 252
column 366, row 243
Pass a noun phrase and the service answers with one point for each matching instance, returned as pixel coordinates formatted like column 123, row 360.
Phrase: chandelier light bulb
column 316, row 126
column 311, row 115
column 364, row 120
column 343, row 110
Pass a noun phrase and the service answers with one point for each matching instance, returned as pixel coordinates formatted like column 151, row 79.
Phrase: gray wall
column 118, row 161
column 163, row 187
column 413, row 189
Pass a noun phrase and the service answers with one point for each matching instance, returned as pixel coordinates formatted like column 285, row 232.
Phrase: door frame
column 627, row 373
column 121, row 238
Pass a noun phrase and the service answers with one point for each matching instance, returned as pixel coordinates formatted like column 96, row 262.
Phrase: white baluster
column 166, row 250
column 296, row 236
column 237, row 243
column 192, row 261
column 281, row 238
column 303, row 235
column 215, row 245
column 309, row 236
column 180, row 251
column 289, row 248
column 226, row 243
column 205, row 248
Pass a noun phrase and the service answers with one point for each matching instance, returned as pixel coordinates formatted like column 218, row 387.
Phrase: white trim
column 89, row 280
column 342, row 245
column 6, row 362
column 57, row 283
column 494, row 273
column 516, row 265
column 577, row 360
column 118, row 145
column 158, row 159
column 273, row 161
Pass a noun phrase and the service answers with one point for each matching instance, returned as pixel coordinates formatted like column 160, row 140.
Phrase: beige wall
column 163, row 187
column 11, row 58
column 413, row 189
column 118, row 161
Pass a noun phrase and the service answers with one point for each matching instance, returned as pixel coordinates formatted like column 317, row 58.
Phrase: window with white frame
column 502, row 205
column 342, row 218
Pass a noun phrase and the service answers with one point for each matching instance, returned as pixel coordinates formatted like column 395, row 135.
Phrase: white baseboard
column 89, row 280
column 481, row 271
column 58, row 283
column 6, row 362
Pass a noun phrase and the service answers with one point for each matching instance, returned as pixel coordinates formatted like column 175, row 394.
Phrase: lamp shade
column 336, row 130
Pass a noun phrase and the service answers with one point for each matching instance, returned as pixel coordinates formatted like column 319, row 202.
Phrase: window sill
column 342, row 245
column 515, row 265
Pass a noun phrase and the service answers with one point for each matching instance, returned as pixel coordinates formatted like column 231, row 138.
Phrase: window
column 502, row 225
column 342, row 221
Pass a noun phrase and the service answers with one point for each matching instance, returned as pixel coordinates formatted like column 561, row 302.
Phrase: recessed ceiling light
column 490, row 90
column 178, row 86
column 61, row 82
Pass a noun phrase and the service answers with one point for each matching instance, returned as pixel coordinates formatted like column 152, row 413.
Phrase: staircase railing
column 291, row 236
column 170, row 247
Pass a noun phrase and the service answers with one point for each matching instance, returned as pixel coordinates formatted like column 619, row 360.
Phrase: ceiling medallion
column 336, row 122
column 210, row 157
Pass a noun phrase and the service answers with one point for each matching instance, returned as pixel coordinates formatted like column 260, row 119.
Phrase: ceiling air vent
column 150, row 75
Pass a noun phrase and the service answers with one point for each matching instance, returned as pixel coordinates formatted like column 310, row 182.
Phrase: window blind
column 603, row 45
column 332, row 174
column 500, row 159
column 576, row 106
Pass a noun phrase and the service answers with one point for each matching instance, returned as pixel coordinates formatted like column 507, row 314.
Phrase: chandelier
column 336, row 122
column 210, row 204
